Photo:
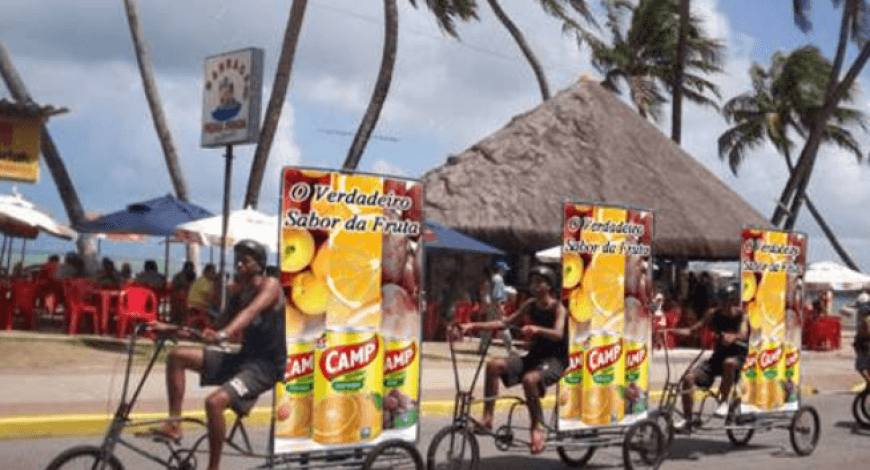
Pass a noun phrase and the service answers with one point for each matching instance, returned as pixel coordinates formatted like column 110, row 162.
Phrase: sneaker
column 680, row 423
column 722, row 410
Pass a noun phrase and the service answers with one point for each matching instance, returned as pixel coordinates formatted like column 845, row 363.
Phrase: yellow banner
column 606, row 260
column 350, row 262
column 772, row 267
column 19, row 148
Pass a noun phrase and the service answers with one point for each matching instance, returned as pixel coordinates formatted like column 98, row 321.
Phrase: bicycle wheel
column 861, row 408
column 741, row 436
column 393, row 455
column 665, row 424
column 643, row 445
column 84, row 458
column 453, row 448
column 804, row 430
column 580, row 460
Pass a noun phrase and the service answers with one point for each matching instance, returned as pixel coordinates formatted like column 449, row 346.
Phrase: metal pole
column 228, row 172
column 3, row 248
column 23, row 246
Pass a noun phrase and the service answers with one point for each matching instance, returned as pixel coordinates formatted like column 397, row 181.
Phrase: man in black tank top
column 547, row 356
column 728, row 322
column 257, row 318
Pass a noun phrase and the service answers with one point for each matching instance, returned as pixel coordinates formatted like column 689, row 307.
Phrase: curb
column 97, row 423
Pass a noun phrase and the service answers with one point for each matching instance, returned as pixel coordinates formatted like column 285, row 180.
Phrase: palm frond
column 448, row 11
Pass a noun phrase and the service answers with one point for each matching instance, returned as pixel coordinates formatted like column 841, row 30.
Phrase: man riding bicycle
column 547, row 356
column 728, row 322
column 256, row 308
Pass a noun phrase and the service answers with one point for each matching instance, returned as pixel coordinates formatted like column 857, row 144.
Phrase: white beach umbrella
column 550, row 255
column 244, row 224
column 20, row 218
column 834, row 276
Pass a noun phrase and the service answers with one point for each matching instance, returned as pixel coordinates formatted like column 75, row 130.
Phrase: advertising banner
column 351, row 264
column 19, row 148
column 231, row 99
column 606, row 281
column 772, row 265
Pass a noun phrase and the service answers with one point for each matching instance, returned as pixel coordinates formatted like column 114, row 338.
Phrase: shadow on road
column 854, row 427
column 695, row 448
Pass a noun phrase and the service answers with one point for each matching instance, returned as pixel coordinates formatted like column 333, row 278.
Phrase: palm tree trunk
column 382, row 86
column 276, row 101
column 152, row 94
column 524, row 47
column 679, row 66
column 826, row 229
column 50, row 154
column 795, row 188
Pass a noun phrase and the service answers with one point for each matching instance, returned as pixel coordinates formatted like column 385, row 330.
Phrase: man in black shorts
column 256, row 309
column 547, row 356
column 729, row 323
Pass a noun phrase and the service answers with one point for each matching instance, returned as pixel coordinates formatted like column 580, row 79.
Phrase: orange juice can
column 294, row 397
column 749, row 379
column 770, row 362
column 792, row 380
column 401, row 383
column 603, row 376
column 571, row 387
column 348, row 387
column 636, row 388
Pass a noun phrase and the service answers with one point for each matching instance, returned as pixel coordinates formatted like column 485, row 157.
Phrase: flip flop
column 163, row 432
column 480, row 429
column 538, row 442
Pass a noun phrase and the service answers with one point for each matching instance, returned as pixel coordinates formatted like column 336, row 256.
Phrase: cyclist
column 256, row 309
column 862, row 337
column 729, row 323
column 547, row 356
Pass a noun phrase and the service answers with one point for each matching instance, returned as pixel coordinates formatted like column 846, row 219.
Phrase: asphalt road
column 841, row 447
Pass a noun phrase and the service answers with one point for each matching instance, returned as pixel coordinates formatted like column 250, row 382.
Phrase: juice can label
column 790, row 387
column 602, row 379
column 635, row 393
column 749, row 378
column 294, row 397
column 348, row 386
column 770, row 368
column 401, row 383
column 571, row 386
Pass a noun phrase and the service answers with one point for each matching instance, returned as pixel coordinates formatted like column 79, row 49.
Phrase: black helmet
column 547, row 273
column 253, row 248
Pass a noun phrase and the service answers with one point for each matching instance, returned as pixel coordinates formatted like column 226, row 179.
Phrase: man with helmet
column 547, row 356
column 728, row 322
column 256, row 317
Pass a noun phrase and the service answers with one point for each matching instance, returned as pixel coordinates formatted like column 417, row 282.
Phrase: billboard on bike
column 350, row 265
column 607, row 284
column 772, row 266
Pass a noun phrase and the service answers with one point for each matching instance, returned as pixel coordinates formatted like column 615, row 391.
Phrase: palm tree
column 446, row 11
column 783, row 101
column 276, row 102
column 643, row 56
column 854, row 25
column 152, row 94
column 679, row 66
column 50, row 155
column 556, row 8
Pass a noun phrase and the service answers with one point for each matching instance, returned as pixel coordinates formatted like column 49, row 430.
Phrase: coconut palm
column 783, row 101
column 854, row 26
column 643, row 55
column 276, row 102
column 556, row 8
column 679, row 67
column 446, row 12
column 152, row 94
column 50, row 155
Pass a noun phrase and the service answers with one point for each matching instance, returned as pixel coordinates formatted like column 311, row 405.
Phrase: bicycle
column 175, row 456
column 861, row 407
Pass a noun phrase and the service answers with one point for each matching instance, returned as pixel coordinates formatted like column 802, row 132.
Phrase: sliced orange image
column 353, row 266
column 771, row 299
column 605, row 281
column 580, row 306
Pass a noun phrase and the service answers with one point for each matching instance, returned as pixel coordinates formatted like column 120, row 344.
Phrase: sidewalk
column 53, row 401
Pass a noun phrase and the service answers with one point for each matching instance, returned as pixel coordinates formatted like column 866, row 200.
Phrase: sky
column 446, row 95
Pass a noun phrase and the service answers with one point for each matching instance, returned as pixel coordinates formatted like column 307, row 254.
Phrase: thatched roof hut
column 587, row 144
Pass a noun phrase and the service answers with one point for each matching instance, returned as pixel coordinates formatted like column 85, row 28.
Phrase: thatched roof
column 587, row 144
column 30, row 109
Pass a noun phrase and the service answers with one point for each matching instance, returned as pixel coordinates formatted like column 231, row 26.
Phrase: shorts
column 549, row 368
column 241, row 378
column 708, row 370
column 862, row 362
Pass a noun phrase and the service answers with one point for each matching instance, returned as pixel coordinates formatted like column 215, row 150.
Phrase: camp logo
column 399, row 359
column 791, row 359
column 575, row 362
column 635, row 358
column 750, row 361
column 769, row 357
column 340, row 360
column 603, row 357
column 299, row 365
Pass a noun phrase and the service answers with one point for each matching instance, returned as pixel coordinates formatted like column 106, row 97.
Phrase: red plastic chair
column 23, row 302
column 78, row 304
column 137, row 305
column 462, row 312
column 5, row 307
